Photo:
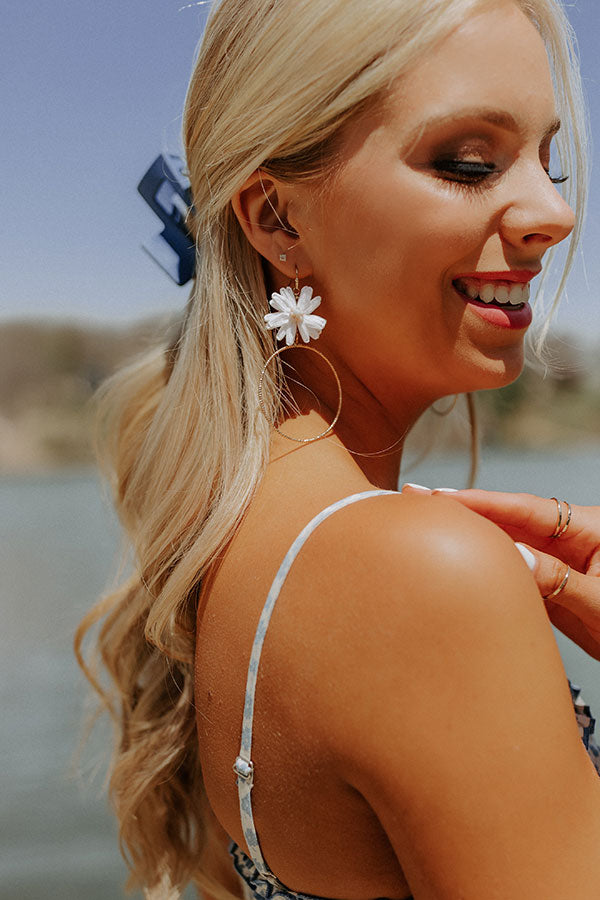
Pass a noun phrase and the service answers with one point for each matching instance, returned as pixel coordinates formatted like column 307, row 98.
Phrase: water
column 58, row 548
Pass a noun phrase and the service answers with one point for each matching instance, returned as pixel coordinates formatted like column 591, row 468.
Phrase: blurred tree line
column 49, row 372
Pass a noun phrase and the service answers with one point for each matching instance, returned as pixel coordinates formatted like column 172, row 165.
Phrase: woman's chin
column 496, row 370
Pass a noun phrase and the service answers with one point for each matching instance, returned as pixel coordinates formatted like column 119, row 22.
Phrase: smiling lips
column 503, row 289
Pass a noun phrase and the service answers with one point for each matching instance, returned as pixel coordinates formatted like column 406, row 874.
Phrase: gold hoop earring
column 445, row 412
column 294, row 314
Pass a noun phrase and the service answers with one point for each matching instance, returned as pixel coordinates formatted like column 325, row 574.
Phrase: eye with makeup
column 463, row 172
column 469, row 161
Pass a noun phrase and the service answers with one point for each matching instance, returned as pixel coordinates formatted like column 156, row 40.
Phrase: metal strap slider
column 244, row 769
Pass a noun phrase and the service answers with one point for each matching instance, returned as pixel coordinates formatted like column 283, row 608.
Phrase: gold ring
column 561, row 528
column 561, row 586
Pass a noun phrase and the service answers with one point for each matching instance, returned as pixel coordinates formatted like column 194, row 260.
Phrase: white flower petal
column 315, row 324
column 277, row 302
column 304, row 331
column 287, row 296
column 304, row 298
column 290, row 333
column 276, row 320
column 314, row 303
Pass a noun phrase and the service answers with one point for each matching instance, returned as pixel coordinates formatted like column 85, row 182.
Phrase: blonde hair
column 182, row 438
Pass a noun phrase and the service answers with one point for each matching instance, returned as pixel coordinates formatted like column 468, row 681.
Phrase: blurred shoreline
column 49, row 371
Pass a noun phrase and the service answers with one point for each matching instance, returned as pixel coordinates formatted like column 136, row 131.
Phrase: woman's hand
column 530, row 521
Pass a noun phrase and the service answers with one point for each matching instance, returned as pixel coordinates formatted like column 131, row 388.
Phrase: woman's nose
column 539, row 216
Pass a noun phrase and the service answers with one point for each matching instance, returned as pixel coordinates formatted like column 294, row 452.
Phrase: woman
column 408, row 728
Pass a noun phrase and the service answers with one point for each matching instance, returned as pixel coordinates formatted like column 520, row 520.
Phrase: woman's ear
column 261, row 208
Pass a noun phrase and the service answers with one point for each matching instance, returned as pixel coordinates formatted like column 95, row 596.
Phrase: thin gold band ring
column 561, row 527
column 561, row 586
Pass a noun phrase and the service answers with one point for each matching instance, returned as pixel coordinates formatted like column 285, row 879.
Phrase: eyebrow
column 494, row 116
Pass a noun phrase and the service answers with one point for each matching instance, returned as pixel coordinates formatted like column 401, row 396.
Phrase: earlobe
column 261, row 208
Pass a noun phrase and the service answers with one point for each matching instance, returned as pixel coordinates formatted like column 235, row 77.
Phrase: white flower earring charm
column 294, row 312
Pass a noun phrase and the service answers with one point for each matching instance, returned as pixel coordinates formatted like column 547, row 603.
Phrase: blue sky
column 91, row 93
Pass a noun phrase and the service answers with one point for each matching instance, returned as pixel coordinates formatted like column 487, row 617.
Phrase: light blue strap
column 243, row 766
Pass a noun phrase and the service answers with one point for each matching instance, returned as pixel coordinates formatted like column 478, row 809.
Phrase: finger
column 410, row 488
column 532, row 519
column 524, row 512
column 561, row 617
column 562, row 586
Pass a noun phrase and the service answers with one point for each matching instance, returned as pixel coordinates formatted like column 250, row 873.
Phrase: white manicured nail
column 527, row 555
column 416, row 487
column 445, row 490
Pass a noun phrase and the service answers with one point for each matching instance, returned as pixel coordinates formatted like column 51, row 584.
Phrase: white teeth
column 513, row 294
column 486, row 292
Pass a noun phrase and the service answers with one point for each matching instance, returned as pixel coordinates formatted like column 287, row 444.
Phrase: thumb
column 564, row 586
column 551, row 575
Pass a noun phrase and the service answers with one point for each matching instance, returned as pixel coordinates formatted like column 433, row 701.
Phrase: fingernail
column 445, row 490
column 527, row 555
column 415, row 487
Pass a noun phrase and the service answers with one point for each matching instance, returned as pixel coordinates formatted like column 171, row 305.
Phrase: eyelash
column 473, row 174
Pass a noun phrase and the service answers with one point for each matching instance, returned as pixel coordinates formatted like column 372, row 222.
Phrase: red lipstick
column 516, row 276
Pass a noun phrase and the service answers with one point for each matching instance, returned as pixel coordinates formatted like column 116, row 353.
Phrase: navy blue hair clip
column 166, row 189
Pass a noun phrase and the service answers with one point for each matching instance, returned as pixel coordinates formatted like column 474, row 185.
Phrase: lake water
column 58, row 547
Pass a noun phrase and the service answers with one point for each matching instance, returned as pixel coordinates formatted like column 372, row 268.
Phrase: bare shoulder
column 446, row 704
column 419, row 552
column 422, row 585
column 431, row 586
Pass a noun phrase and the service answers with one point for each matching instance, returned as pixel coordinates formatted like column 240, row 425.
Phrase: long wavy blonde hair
column 182, row 438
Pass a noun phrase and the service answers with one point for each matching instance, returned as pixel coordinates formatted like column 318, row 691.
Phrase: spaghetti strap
column 243, row 766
